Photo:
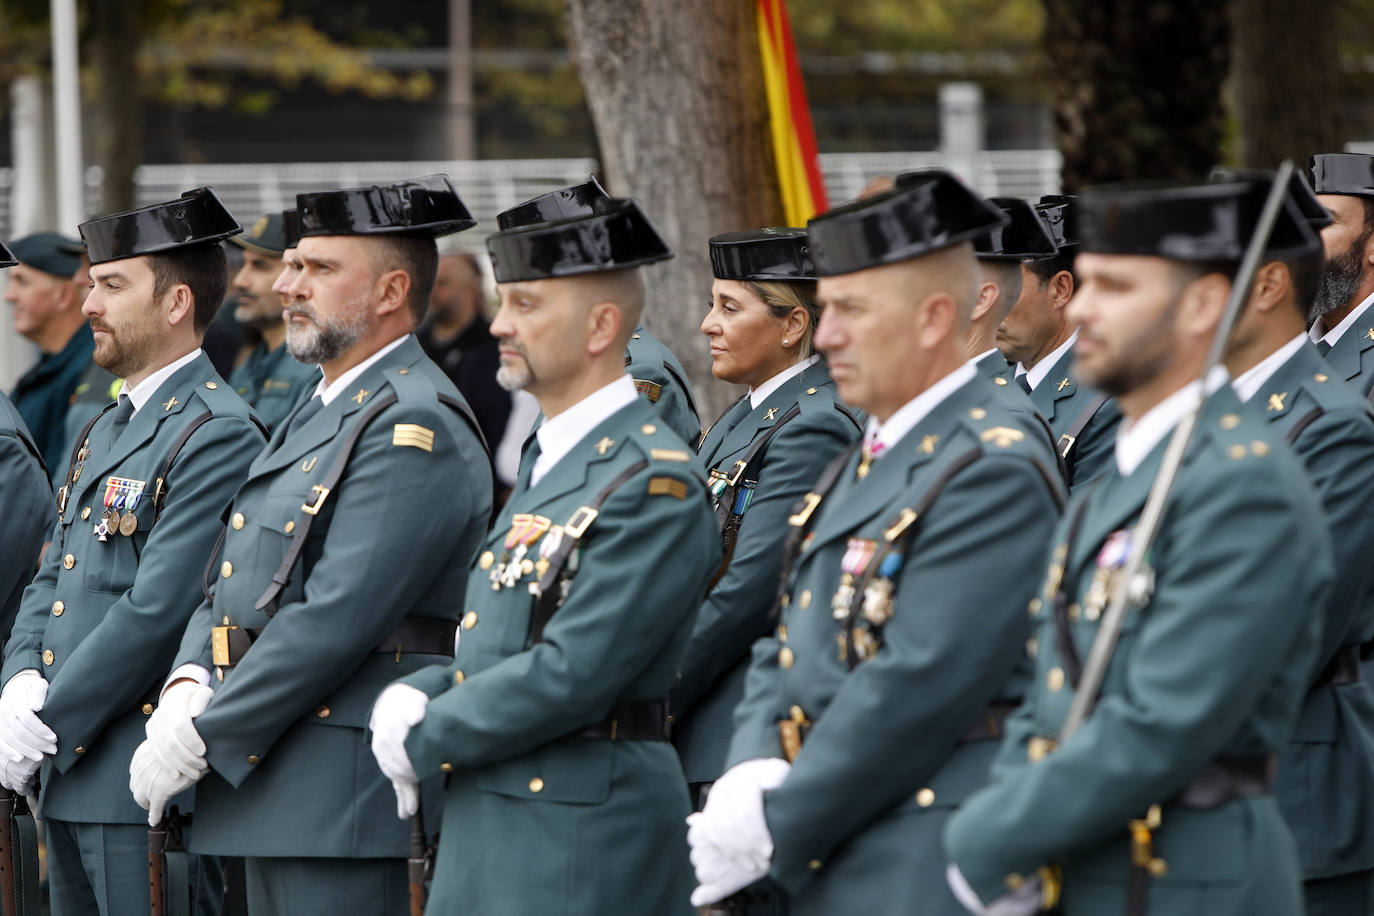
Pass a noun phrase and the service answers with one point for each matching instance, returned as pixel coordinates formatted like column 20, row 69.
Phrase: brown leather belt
column 1344, row 668
column 414, row 636
column 637, row 720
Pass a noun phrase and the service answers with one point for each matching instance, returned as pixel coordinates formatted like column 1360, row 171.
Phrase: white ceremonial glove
column 731, row 845
column 19, row 776
column 398, row 709
column 153, row 783
column 171, row 733
column 1024, row 901
column 23, row 736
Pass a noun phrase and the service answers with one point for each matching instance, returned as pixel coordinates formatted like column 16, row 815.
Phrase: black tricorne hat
column 6, row 256
column 1059, row 213
column 565, row 203
column 424, row 206
column 615, row 236
column 290, row 228
column 264, row 237
column 765, row 255
column 1189, row 222
column 1022, row 238
column 195, row 217
column 1299, row 191
column 928, row 210
column 1342, row 173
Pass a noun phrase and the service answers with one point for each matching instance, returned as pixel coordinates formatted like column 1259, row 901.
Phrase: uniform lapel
column 1057, row 386
column 169, row 399
column 1275, row 398
column 715, row 436
column 1344, row 357
column 604, row 443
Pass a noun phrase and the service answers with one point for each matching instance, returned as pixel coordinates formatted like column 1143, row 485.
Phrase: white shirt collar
column 1333, row 335
column 1036, row 374
column 143, row 392
column 557, row 435
column 328, row 393
column 1136, row 439
column 1249, row 382
column 916, row 410
column 760, row 394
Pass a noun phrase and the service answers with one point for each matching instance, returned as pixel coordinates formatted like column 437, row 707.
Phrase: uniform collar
column 1333, row 335
column 328, row 393
column 1136, row 439
column 758, row 395
column 1036, row 374
column 143, row 392
column 557, row 435
column 914, row 411
column 1249, row 382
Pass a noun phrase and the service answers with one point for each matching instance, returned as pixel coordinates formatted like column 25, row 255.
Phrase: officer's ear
column 392, row 291
column 1060, row 289
column 1203, row 303
column 604, row 321
column 180, row 304
column 937, row 320
column 987, row 295
column 1271, row 286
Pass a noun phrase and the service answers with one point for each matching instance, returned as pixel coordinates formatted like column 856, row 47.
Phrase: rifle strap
column 1070, row 438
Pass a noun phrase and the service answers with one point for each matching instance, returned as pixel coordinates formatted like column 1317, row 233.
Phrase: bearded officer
column 872, row 711
column 139, row 508
column 1161, row 802
column 552, row 722
column 1342, row 326
column 344, row 552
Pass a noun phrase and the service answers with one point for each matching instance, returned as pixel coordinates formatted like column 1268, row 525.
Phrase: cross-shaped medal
column 1063, row 383
column 171, row 402
column 603, row 446
column 361, row 395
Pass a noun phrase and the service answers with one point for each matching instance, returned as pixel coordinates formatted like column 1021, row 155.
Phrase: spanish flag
column 794, row 139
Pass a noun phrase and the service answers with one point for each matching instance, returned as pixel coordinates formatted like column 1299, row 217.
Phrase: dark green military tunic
column 273, row 382
column 660, row 377
column 892, row 749
column 537, row 819
column 992, row 368
column 96, row 389
column 1215, row 666
column 26, row 499
column 1062, row 401
column 736, row 612
column 1351, row 357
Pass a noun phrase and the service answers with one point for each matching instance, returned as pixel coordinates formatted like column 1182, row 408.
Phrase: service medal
column 525, row 529
column 128, row 524
column 858, row 554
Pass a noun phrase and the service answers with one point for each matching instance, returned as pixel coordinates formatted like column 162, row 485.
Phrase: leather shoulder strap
column 1070, row 438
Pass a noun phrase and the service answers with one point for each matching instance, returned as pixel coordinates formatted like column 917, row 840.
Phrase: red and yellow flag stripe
column 794, row 137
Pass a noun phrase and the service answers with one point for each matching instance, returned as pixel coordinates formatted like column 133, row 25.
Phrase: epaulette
column 218, row 396
column 668, row 461
column 1235, row 435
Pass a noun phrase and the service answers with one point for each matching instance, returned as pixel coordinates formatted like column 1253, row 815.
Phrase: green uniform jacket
column 1061, row 401
column 97, row 388
column 293, row 774
column 538, row 820
column 42, row 394
column 856, row 825
column 26, row 499
column 273, row 382
column 1214, row 666
column 1351, row 358
column 993, row 368
column 102, row 619
column 736, row 612
column 1326, row 773
column 660, row 378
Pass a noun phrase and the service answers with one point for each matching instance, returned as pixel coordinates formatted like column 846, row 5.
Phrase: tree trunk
column 1136, row 87
column 1287, row 70
column 117, row 31
column 675, row 89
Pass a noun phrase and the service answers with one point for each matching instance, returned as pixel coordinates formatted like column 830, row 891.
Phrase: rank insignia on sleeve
column 413, row 435
column 650, row 390
column 667, row 486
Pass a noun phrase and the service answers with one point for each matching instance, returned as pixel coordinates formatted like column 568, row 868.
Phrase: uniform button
column 237, row 521
column 79, row 749
column 254, row 759
column 1032, row 647
column 1034, row 607
column 785, row 600
column 57, row 608
column 782, row 632
column 648, row 429
column 1054, row 679
column 1013, row 881
column 211, row 385
column 459, row 677
column 486, row 559
column 226, row 569
column 786, row 658
column 403, row 372
column 85, row 513
column 815, row 865
column 289, row 527
column 1319, row 377
column 804, row 599
column 322, row 712
column 469, row 620
column 1075, row 612
column 69, row 561
column 977, row 413
column 147, row 709
column 536, row 785
column 925, row 798
column 796, row 713
column 48, row 656
column 999, row 381
column 812, row 390
column 446, row 767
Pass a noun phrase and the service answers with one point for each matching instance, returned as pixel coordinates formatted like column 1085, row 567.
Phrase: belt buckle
column 581, row 520
column 321, row 494
column 219, row 646
column 740, row 467
column 1065, row 444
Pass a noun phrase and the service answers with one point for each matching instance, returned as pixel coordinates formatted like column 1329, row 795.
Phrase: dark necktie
column 124, row 409
column 528, row 453
column 1323, row 348
column 1024, row 381
column 303, row 416
column 729, row 420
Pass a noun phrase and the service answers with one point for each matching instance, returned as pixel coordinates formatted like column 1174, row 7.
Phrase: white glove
column 19, row 776
column 153, row 783
column 1024, row 901
column 731, row 845
column 398, row 709
column 23, row 736
column 171, row 733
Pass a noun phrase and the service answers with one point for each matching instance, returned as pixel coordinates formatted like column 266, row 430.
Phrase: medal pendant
column 878, row 602
column 128, row 524
column 112, row 519
column 498, row 572
column 844, row 595
column 865, row 644
column 100, row 531
column 510, row 571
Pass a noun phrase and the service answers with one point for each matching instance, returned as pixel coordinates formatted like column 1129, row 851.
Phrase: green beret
column 49, row 252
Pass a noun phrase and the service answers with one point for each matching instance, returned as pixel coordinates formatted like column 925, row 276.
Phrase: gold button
column 1032, row 647
column 1075, row 612
column 815, row 865
column 648, row 429
column 1158, row 868
column 536, row 785
column 782, row 632
column 254, row 759
column 786, row 658
column 925, row 798
column 85, row 513
column 1230, row 421
column 486, row 559
column 1237, row 452
column 48, row 656
column 57, row 608
column 1259, row 449
column 211, row 385
column 978, row 413
column 237, row 521
column 1013, row 881
column 812, row 390
column 1034, row 606
column 469, row 620
column 79, row 749
column 322, row 712
column 446, row 767
column 786, row 600
column 459, row 676
column 796, row 713
column 999, row 381
column 147, row 709
column 289, row 527
column 1054, row 679
column 403, row 372
column 226, row 569
column 1321, row 377
column 804, row 599
column 69, row 561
